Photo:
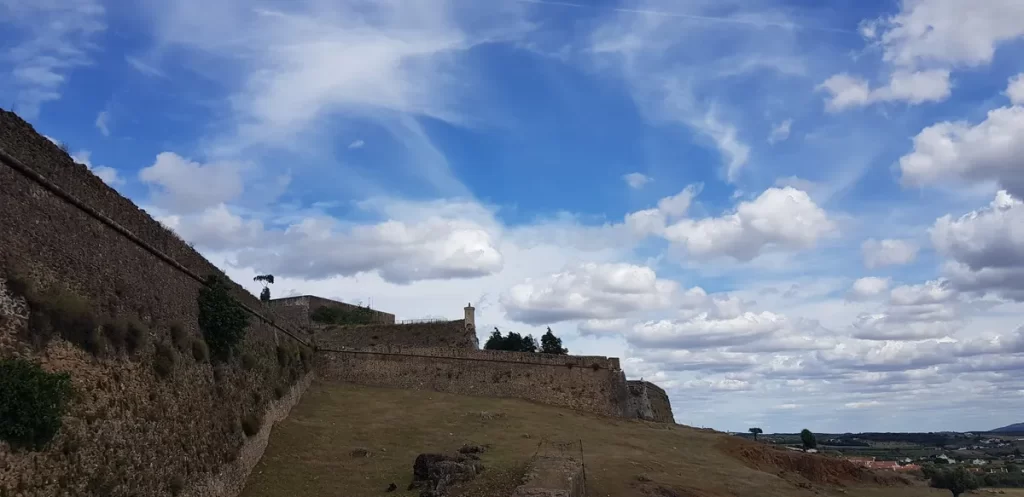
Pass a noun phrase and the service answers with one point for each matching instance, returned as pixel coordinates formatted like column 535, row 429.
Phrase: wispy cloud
column 103, row 122
column 636, row 181
column 356, row 144
column 52, row 38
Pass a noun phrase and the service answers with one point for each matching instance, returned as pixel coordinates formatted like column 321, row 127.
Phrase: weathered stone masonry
column 128, row 432
column 648, row 401
column 585, row 383
column 451, row 334
column 298, row 309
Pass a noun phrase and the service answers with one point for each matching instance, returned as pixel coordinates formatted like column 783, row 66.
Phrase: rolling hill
column 1014, row 428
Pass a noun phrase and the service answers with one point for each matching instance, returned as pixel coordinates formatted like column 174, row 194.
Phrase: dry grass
column 310, row 452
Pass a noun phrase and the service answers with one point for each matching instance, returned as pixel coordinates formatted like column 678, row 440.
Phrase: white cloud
column 780, row 132
column 356, row 144
column 959, row 152
column 949, row 32
column 888, row 252
column 589, row 291
column 1015, row 91
column 107, row 174
column 144, row 67
column 921, row 45
column 783, row 218
column 868, row 288
column 103, row 123
column 914, row 312
column 58, row 37
column 184, row 186
column 986, row 247
column 861, row 405
column 912, row 87
column 636, row 181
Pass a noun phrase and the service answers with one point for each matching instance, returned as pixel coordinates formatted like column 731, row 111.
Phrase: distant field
column 310, row 453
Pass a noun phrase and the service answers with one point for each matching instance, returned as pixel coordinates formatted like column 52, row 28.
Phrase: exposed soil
column 811, row 467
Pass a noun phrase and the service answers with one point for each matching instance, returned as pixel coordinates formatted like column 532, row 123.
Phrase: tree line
column 514, row 342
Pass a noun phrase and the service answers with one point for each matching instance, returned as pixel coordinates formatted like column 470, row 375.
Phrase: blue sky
column 789, row 214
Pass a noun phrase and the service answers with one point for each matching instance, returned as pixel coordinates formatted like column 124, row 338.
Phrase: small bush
column 248, row 361
column 221, row 318
column 251, row 424
column 279, row 392
column 179, row 337
column 595, row 366
column 199, row 350
column 306, row 357
column 176, row 485
column 164, row 360
column 60, row 312
column 137, row 336
column 32, row 402
column 282, row 356
column 116, row 332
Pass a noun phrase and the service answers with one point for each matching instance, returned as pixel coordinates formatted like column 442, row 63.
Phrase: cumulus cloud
column 1015, row 91
column 913, row 312
column 784, row 218
column 878, row 253
column 780, row 132
column 965, row 153
column 922, row 43
column 985, row 247
column 182, row 185
column 636, row 181
column 107, row 174
column 589, row 291
column 912, row 87
column 868, row 288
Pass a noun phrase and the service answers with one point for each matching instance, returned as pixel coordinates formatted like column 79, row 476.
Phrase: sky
column 789, row 214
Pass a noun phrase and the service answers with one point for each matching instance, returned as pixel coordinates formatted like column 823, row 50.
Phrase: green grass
column 310, row 452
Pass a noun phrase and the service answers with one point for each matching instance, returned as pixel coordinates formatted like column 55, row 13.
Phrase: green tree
column 550, row 344
column 808, row 439
column 266, row 279
column 221, row 318
column 513, row 342
column 756, row 432
column 957, row 480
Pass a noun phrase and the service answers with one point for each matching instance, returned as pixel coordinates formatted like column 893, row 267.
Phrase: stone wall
column 311, row 303
column 451, row 334
column 649, row 402
column 592, row 384
column 129, row 429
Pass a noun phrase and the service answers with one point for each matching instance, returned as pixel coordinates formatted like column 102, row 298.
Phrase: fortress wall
column 311, row 303
column 128, row 431
column 648, row 401
column 546, row 379
column 451, row 334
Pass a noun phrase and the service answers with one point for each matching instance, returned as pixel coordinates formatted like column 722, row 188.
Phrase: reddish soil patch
column 812, row 467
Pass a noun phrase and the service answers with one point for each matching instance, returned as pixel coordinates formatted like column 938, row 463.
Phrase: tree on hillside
column 957, row 480
column 756, row 432
column 550, row 344
column 266, row 279
column 1016, row 452
column 808, row 439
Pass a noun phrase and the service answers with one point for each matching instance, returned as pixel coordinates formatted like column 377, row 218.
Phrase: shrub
column 115, row 331
column 137, row 336
column 282, row 356
column 278, row 392
column 32, row 402
column 251, row 424
column 957, row 481
column 221, row 318
column 60, row 312
column 199, row 350
column 179, row 337
column 176, row 485
column 248, row 361
column 306, row 357
column 164, row 360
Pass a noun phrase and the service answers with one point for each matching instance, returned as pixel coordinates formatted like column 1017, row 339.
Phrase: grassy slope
column 309, row 453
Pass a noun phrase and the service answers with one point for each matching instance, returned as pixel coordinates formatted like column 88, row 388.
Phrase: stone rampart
column 133, row 428
column 649, row 402
column 303, row 306
column 591, row 384
column 440, row 334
